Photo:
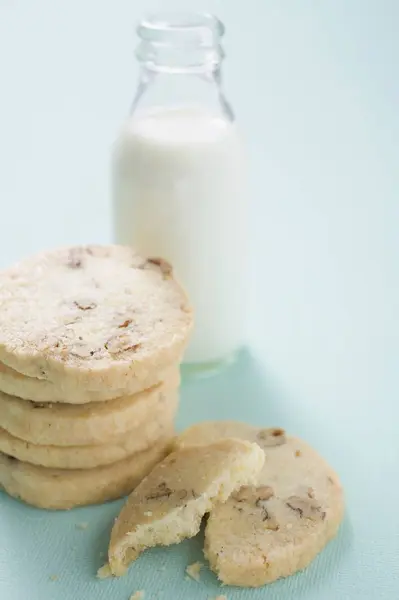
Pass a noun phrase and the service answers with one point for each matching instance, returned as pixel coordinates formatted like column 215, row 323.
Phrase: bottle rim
column 181, row 29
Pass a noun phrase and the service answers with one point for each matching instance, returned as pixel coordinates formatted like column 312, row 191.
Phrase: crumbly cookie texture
column 278, row 526
column 169, row 504
column 96, row 316
column 64, row 489
column 88, row 457
column 89, row 424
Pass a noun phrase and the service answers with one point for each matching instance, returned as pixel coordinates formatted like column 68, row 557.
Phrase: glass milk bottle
column 179, row 178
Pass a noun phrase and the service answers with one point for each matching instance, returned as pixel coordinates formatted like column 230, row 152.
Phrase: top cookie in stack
column 88, row 324
column 92, row 318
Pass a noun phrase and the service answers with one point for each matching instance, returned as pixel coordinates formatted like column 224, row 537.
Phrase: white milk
column 178, row 194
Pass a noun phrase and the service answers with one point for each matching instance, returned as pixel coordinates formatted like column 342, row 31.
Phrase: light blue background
column 315, row 88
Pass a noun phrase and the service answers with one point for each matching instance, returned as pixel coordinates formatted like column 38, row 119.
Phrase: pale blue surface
column 315, row 88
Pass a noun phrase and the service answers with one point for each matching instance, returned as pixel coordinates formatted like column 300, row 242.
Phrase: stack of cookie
column 91, row 339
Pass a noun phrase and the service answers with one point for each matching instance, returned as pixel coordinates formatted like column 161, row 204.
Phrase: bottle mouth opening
column 181, row 29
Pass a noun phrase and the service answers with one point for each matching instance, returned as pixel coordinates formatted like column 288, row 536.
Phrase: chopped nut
column 272, row 437
column 104, row 572
column 193, row 570
column 277, row 432
column 267, row 517
column 162, row 491
column 85, row 304
column 306, row 508
column 245, row 493
column 166, row 268
column 125, row 324
column 298, row 453
column 264, row 492
column 250, row 493
column 120, row 343
column 257, row 496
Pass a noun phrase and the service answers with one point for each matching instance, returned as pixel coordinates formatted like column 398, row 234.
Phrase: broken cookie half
column 278, row 526
column 169, row 504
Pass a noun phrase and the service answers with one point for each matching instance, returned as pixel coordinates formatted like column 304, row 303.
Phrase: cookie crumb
column 139, row 595
column 53, row 577
column 81, row 526
column 193, row 570
column 104, row 572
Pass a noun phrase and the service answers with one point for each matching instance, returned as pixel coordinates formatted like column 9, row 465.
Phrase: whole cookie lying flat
column 44, row 391
column 277, row 527
column 64, row 489
column 93, row 316
column 88, row 457
column 94, row 423
column 169, row 504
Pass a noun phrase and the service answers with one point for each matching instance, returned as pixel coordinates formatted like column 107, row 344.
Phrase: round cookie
column 43, row 391
column 277, row 527
column 87, row 424
column 93, row 316
column 88, row 457
column 64, row 489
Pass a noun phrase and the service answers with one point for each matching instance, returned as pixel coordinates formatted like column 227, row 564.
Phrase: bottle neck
column 180, row 63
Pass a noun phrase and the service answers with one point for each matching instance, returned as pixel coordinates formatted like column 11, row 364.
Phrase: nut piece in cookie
column 271, row 437
column 170, row 502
